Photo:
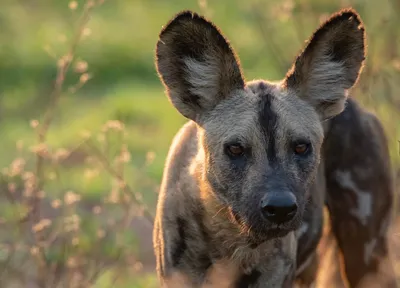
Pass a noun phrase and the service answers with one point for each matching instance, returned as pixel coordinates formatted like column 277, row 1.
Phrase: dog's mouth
column 271, row 233
column 256, row 237
column 260, row 230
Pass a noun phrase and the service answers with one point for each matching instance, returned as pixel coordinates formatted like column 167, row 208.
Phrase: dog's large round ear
column 330, row 64
column 196, row 64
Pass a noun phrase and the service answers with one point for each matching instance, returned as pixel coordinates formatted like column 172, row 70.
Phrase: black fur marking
column 262, row 85
column 253, row 245
column 341, row 48
column 181, row 245
column 246, row 280
column 203, row 261
column 191, row 99
column 198, row 217
column 345, row 17
column 268, row 120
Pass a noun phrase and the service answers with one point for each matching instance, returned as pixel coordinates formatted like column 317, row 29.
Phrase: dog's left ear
column 330, row 64
column 196, row 64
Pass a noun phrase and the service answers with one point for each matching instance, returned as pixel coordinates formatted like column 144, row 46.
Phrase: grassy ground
column 119, row 50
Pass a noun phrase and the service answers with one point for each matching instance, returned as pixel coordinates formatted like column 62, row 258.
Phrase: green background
column 124, row 85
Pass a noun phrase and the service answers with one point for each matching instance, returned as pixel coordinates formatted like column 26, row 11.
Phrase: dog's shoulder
column 178, row 188
column 178, row 223
column 356, row 137
column 177, row 175
column 183, row 148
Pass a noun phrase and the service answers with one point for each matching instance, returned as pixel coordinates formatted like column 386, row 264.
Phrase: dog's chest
column 248, row 258
column 270, row 261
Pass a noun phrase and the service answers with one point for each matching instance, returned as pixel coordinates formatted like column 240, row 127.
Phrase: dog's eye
column 235, row 150
column 301, row 148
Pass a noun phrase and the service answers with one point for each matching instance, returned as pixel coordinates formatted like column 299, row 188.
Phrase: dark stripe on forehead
column 268, row 121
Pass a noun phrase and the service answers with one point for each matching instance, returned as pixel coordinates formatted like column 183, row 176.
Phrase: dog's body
column 355, row 183
column 246, row 171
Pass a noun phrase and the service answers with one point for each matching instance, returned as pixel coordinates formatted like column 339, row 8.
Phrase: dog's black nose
column 279, row 208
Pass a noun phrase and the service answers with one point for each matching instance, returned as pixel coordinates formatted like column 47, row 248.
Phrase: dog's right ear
column 330, row 64
column 196, row 64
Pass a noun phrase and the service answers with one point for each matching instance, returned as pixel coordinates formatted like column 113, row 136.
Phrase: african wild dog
column 245, row 171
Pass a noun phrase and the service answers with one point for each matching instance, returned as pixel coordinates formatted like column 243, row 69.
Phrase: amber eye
column 235, row 150
column 301, row 149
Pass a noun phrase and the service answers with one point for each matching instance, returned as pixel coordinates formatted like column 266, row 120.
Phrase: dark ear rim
column 181, row 15
column 335, row 18
column 185, row 15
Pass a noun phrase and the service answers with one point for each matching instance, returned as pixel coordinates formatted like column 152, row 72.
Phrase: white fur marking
column 368, row 249
column 302, row 230
column 203, row 77
column 364, row 207
column 327, row 80
column 385, row 224
column 326, row 84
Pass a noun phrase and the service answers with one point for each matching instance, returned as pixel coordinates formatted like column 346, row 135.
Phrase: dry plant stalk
column 63, row 67
column 57, row 248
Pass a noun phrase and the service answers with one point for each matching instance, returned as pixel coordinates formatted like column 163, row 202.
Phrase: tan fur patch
column 221, row 274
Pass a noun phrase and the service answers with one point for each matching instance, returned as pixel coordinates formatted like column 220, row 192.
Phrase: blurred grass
column 124, row 85
column 120, row 53
column 147, row 281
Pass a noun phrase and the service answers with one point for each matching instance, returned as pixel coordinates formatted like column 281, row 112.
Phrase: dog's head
column 260, row 142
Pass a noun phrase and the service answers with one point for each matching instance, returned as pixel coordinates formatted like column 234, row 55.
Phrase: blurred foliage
column 115, row 61
column 119, row 50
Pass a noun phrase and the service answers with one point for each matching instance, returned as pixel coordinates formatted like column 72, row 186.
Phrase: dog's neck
column 228, row 239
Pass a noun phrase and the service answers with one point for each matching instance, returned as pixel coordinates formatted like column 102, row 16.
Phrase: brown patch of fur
column 222, row 274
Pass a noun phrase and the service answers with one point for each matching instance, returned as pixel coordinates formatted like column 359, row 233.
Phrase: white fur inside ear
column 326, row 80
column 203, row 77
column 326, row 84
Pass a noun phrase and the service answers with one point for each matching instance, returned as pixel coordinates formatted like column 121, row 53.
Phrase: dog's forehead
column 235, row 118
column 287, row 112
column 262, row 87
column 262, row 105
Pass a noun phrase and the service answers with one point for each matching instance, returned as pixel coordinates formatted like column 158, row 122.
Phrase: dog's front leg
column 279, row 268
column 281, row 279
